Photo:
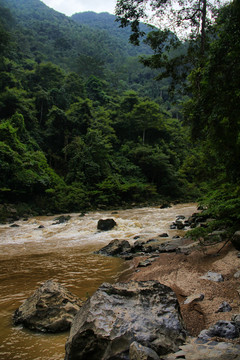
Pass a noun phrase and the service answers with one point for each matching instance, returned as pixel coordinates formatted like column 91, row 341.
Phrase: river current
column 30, row 255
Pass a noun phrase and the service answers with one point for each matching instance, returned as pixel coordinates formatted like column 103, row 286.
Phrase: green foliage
column 88, row 44
column 213, row 112
column 222, row 205
column 117, row 190
column 213, row 115
column 5, row 23
column 65, row 198
column 224, row 202
column 47, row 76
column 24, row 171
column 79, row 124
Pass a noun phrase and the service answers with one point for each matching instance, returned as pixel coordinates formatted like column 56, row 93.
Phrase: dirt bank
column 182, row 273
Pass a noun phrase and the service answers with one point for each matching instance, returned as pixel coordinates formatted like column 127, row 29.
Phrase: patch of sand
column 182, row 273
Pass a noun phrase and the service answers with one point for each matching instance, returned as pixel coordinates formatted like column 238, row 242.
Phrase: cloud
column 70, row 7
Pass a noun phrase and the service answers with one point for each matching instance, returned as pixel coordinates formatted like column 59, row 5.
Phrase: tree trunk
column 143, row 137
column 203, row 27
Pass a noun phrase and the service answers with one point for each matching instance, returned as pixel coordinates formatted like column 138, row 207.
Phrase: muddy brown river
column 30, row 255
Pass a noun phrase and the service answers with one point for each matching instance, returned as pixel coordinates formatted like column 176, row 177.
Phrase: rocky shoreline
column 181, row 301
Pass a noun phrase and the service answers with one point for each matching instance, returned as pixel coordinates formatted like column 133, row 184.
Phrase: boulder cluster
column 136, row 320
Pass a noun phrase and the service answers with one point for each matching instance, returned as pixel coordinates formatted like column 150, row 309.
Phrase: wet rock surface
column 161, row 243
column 106, row 224
column 61, row 219
column 157, row 245
column 50, row 309
column 145, row 312
column 115, row 247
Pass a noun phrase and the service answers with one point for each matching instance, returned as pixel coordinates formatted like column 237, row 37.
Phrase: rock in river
column 145, row 312
column 50, row 309
column 115, row 247
column 106, row 224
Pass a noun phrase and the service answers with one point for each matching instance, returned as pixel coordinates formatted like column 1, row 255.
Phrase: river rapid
column 30, row 255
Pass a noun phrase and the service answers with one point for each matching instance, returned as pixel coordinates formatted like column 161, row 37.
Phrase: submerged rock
column 61, row 219
column 117, row 315
column 50, row 309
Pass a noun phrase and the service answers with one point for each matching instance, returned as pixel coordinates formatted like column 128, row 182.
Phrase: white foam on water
column 79, row 231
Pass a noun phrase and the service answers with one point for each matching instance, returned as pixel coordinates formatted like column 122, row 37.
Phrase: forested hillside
column 84, row 124
column 77, row 132
column 46, row 35
column 211, row 64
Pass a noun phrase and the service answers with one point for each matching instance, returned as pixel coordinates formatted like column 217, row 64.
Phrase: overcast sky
column 69, row 7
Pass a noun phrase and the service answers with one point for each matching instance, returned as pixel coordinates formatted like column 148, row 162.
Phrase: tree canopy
column 188, row 20
column 83, row 124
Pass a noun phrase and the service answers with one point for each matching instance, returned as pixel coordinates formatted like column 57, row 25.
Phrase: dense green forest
column 84, row 124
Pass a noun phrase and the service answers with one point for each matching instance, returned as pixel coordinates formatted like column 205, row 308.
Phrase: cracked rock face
column 50, row 309
column 117, row 315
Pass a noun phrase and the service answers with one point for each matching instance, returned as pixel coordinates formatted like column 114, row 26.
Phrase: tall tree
column 146, row 115
column 189, row 19
column 213, row 111
column 180, row 15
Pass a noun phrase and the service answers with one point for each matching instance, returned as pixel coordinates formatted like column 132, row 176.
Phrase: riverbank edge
column 183, row 272
column 10, row 212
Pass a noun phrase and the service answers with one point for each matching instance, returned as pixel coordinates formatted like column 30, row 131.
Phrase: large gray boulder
column 50, row 309
column 146, row 312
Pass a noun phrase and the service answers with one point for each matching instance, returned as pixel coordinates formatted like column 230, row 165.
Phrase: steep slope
column 76, row 138
column 107, row 22
column 46, row 35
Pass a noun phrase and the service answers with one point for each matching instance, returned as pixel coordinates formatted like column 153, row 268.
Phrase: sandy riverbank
column 182, row 273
